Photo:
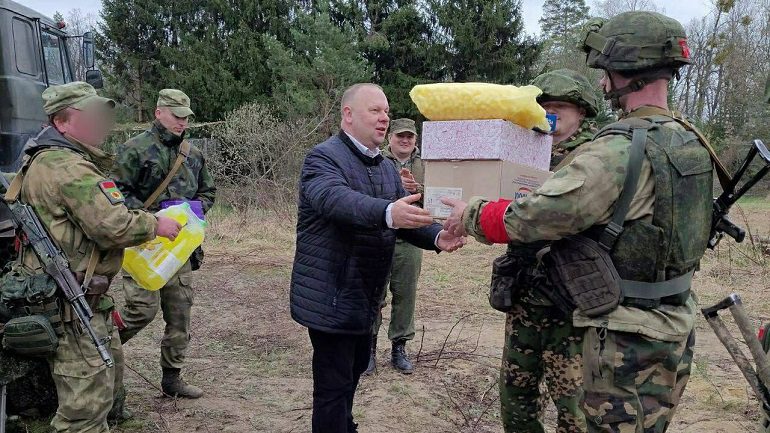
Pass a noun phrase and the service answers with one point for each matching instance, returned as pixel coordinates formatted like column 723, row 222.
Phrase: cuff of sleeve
column 471, row 218
column 389, row 216
column 492, row 221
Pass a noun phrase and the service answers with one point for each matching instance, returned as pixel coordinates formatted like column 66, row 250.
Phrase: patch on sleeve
column 111, row 191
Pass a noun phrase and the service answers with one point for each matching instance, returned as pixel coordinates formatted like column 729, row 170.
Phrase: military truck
column 34, row 54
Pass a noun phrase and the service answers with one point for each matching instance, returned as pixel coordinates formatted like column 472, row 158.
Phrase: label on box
column 433, row 196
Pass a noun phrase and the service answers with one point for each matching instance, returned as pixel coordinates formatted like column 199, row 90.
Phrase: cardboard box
column 465, row 179
column 485, row 140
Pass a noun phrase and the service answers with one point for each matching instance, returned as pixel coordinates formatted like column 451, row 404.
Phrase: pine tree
column 484, row 40
column 561, row 24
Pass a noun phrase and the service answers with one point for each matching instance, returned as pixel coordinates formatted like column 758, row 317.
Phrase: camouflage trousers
column 633, row 384
column 85, row 386
column 175, row 299
column 404, row 275
column 540, row 345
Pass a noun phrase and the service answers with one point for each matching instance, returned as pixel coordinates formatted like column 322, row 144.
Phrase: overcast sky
column 682, row 10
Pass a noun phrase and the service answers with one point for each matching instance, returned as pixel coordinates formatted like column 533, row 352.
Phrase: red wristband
column 492, row 221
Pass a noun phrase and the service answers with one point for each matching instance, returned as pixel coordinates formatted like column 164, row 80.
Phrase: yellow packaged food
column 153, row 263
column 480, row 101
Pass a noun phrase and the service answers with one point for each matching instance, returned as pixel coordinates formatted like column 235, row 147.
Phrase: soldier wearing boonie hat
column 63, row 180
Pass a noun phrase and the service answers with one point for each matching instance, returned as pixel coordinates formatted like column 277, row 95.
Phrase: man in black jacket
column 352, row 207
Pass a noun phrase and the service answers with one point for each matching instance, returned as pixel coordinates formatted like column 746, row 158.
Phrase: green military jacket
column 413, row 164
column 145, row 160
column 66, row 186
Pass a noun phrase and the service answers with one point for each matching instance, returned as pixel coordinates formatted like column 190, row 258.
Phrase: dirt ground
column 254, row 362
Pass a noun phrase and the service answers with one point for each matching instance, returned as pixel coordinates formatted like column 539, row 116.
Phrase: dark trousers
column 338, row 362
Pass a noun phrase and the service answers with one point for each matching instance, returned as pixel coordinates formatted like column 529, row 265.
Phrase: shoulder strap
column 612, row 232
column 184, row 152
column 93, row 260
column 14, row 189
column 722, row 174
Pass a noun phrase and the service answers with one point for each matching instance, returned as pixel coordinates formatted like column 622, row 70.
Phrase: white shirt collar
column 365, row 150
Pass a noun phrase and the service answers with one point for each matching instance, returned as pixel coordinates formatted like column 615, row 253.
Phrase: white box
column 485, row 140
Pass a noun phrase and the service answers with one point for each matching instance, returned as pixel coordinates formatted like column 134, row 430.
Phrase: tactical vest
column 667, row 250
column 681, row 219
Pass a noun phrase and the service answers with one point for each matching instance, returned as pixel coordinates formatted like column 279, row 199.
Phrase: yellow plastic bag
column 480, row 101
column 153, row 263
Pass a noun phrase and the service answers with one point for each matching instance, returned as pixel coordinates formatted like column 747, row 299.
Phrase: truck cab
column 33, row 56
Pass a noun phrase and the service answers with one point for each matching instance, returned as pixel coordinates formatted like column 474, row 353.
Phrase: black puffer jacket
column 344, row 247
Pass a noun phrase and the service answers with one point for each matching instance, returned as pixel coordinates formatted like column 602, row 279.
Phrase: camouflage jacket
column 580, row 195
column 584, row 134
column 413, row 164
column 145, row 160
column 64, row 184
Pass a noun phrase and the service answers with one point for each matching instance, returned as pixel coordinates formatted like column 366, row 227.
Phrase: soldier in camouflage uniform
column 540, row 341
column 637, row 354
column 83, row 212
column 143, row 162
column 407, row 259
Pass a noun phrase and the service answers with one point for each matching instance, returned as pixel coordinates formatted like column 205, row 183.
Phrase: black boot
column 398, row 358
column 173, row 386
column 372, row 367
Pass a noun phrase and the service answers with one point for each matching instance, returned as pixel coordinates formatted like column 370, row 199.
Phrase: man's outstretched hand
column 449, row 242
column 406, row 216
column 454, row 223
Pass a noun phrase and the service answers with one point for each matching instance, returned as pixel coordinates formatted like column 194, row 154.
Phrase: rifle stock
column 720, row 223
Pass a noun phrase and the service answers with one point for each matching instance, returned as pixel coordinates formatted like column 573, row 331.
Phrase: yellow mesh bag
column 478, row 101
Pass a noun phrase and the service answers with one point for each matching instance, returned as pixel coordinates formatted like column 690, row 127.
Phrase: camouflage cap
column 403, row 125
column 635, row 41
column 568, row 86
column 176, row 100
column 77, row 95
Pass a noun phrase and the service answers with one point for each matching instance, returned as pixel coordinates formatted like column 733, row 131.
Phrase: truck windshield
column 53, row 50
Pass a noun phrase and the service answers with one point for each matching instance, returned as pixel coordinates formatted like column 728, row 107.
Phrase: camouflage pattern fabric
column 413, row 164
column 143, row 163
column 581, row 195
column 541, row 345
column 175, row 299
column 568, row 86
column 631, row 378
column 584, row 134
column 62, row 185
column 145, row 160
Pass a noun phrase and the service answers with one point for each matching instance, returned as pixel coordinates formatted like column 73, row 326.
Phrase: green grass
column 754, row 202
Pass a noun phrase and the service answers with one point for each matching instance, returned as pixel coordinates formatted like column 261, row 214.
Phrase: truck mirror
column 88, row 50
column 94, row 78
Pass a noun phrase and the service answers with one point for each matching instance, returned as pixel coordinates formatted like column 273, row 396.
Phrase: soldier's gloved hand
column 168, row 228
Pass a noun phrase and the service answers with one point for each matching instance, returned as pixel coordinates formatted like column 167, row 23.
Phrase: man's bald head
column 365, row 114
column 349, row 95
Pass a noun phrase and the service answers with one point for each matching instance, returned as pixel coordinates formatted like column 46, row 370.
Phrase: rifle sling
column 184, row 152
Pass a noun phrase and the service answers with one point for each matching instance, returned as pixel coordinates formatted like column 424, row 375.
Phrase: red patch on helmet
column 685, row 48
